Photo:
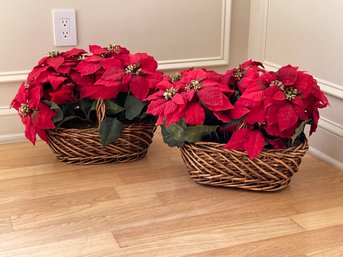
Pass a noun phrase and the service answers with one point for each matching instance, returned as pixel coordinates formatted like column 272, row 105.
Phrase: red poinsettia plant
column 247, row 108
column 64, row 89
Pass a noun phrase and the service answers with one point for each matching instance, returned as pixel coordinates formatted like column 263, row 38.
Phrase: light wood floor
column 152, row 208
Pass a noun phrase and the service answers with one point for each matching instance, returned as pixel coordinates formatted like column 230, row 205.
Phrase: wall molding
column 221, row 60
column 4, row 139
column 326, row 158
column 5, row 111
column 258, row 34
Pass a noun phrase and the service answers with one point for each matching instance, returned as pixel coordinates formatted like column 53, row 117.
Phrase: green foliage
column 178, row 133
column 133, row 107
column 112, row 108
column 110, row 129
column 299, row 130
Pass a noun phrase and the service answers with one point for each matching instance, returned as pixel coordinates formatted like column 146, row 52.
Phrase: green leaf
column 110, row 129
column 133, row 107
column 175, row 130
column 181, row 132
column 169, row 139
column 85, row 106
column 300, row 129
column 58, row 111
column 59, row 124
column 195, row 133
column 112, row 108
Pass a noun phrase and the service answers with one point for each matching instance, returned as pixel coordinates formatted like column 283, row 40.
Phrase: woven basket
column 210, row 164
column 83, row 146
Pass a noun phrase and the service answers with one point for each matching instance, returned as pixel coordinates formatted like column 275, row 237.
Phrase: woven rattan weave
column 210, row 164
column 83, row 146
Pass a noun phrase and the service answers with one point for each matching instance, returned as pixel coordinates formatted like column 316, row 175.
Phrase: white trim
column 326, row 158
column 221, row 60
column 193, row 62
column 258, row 29
column 331, row 126
column 11, row 138
column 257, row 44
column 13, row 76
column 5, row 111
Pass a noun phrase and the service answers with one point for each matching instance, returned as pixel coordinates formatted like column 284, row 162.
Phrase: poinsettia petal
column 34, row 96
column 287, row 74
column 42, row 134
column 238, row 139
column 224, row 116
column 315, row 118
column 256, row 114
column 55, row 62
column 286, row 116
column 43, row 120
column 148, row 63
column 239, row 111
column 30, row 131
column 113, row 73
column 111, row 62
column 139, row 87
column 86, row 68
column 157, row 106
column 214, row 99
column 194, row 114
column 74, row 52
column 63, row 95
column 254, row 143
column 55, row 81
column 97, row 50
column 178, row 99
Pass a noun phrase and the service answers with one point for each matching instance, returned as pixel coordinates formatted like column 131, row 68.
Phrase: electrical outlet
column 64, row 25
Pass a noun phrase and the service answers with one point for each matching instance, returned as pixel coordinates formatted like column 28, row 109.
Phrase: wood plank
column 59, row 202
column 320, row 219
column 293, row 245
column 154, row 186
column 93, row 245
column 79, row 179
column 119, row 208
column 5, row 225
column 210, row 239
column 330, row 252
column 158, row 231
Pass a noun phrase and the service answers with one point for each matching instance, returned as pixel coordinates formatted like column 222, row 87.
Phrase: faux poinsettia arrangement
column 65, row 90
column 247, row 108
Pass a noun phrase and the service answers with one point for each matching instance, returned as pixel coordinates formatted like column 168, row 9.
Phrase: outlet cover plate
column 64, row 26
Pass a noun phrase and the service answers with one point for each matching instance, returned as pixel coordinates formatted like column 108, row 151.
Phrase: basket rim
column 220, row 147
column 125, row 126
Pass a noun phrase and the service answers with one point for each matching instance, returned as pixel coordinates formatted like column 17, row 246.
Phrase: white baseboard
column 326, row 158
column 11, row 138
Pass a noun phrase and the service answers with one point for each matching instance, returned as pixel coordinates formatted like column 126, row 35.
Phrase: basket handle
column 100, row 110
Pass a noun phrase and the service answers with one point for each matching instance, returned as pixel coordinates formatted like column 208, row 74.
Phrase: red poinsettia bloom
column 167, row 103
column 187, row 95
column 292, row 96
column 141, row 74
column 247, row 139
column 36, row 118
column 241, row 77
column 202, row 89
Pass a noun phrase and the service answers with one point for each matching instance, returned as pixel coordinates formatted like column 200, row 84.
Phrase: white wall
column 308, row 34
column 178, row 33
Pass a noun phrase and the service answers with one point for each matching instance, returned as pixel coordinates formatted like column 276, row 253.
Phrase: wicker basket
column 210, row 164
column 83, row 146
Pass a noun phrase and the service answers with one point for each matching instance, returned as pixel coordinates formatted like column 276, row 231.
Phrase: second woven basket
column 210, row 164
